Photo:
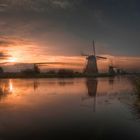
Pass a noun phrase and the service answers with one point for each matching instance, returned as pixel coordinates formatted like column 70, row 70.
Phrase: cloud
column 4, row 43
column 4, row 55
column 35, row 5
column 62, row 3
column 15, row 47
column 7, row 41
column 22, row 5
column 3, row 7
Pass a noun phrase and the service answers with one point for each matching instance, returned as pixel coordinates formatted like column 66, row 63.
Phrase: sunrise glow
column 70, row 69
column 12, row 60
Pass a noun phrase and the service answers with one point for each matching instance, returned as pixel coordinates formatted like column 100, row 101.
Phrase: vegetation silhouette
column 136, row 104
column 35, row 72
column 1, row 70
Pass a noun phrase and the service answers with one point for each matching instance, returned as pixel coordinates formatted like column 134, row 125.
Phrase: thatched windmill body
column 91, row 66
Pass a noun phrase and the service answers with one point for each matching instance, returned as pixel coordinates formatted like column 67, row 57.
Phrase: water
column 103, row 108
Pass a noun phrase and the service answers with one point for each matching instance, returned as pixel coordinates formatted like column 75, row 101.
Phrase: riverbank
column 136, row 82
column 46, row 75
column 54, row 75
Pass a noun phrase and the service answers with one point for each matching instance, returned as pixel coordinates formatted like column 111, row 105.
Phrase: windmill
column 91, row 66
column 111, row 67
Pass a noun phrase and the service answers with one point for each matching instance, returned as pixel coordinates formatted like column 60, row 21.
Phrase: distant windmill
column 114, row 67
column 111, row 67
column 91, row 66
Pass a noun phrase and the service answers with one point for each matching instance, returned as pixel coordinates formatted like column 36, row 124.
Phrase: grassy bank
column 46, row 75
column 137, row 85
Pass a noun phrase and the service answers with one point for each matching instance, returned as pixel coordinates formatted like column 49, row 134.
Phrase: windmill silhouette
column 92, row 85
column 91, row 66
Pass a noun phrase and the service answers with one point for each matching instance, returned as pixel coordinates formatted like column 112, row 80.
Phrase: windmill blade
column 94, row 50
column 57, row 63
column 49, row 63
column 127, row 59
column 101, row 57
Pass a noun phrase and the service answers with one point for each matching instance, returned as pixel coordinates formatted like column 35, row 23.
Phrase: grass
column 51, row 75
column 136, row 82
column 137, row 85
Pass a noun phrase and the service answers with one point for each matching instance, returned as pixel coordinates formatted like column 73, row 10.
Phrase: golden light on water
column 10, row 86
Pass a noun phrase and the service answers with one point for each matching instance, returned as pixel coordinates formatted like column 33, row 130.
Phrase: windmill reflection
column 92, row 85
column 6, row 88
column 35, row 85
column 111, row 81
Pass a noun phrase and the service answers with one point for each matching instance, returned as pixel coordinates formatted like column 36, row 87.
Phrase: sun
column 12, row 60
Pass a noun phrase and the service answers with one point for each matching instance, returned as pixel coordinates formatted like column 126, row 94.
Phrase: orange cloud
column 18, row 50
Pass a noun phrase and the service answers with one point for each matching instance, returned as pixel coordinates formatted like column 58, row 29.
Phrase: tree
column 65, row 72
column 1, row 70
column 36, row 69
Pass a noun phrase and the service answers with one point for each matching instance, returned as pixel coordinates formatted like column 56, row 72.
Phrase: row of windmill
column 91, row 65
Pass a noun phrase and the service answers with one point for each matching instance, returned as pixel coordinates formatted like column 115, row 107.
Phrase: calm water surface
column 103, row 108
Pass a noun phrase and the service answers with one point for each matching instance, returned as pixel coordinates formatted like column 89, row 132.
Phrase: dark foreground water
column 97, row 109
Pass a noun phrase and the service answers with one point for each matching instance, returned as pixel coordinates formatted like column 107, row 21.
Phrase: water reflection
column 35, row 85
column 92, row 87
column 91, row 91
column 110, row 89
column 63, row 82
column 6, row 88
column 66, row 106
column 111, row 81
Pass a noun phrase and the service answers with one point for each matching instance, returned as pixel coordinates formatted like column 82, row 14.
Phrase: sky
column 59, row 30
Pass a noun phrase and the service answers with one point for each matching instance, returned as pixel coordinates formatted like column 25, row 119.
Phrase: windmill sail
column 94, row 50
column 91, row 66
column 100, row 57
